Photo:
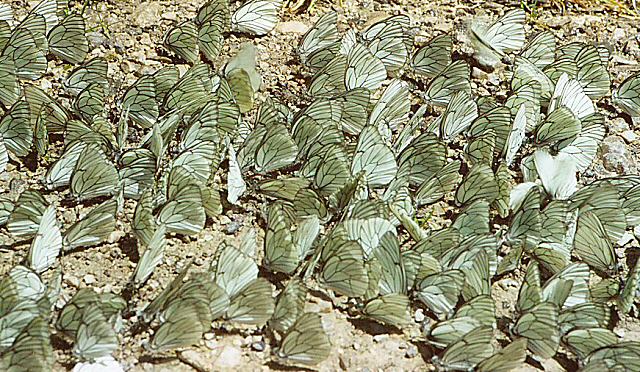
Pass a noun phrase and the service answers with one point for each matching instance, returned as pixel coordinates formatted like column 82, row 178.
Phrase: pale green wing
column 93, row 174
column 182, row 327
column 540, row 327
column 364, row 70
column 392, row 108
column 390, row 309
column 256, row 17
column 289, row 306
column 323, row 34
column 440, row 291
column 253, row 305
column 434, row 57
column 184, row 212
column 530, row 293
column 94, row 228
column 540, row 49
column 47, row 243
column 583, row 342
column 480, row 183
column 345, row 272
column 280, row 254
column 95, row 336
column 592, row 244
column 454, row 78
column 92, row 71
column 141, row 102
column 16, row 129
column 627, row 96
column 468, row 351
column 509, row 358
column 306, row 343
column 441, row 183
column 182, row 40
column 26, row 216
column 233, row 270
column 67, row 39
column 151, row 257
column 374, row 157
column 389, row 41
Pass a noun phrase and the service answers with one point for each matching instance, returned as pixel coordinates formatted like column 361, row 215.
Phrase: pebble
column 196, row 359
column 625, row 238
column 629, row 136
column 412, row 352
column 72, row 281
column 229, row 357
column 147, row 14
column 170, row 16
column 619, row 332
column 617, row 125
column 619, row 34
column 615, row 156
column 258, row 346
column 97, row 39
column 233, row 227
column 381, row 337
column 507, row 283
column 419, row 316
column 356, row 346
column 89, row 279
column 224, row 220
column 636, row 232
column 211, row 344
column 292, row 27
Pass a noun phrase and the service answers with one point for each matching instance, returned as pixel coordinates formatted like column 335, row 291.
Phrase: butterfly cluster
column 342, row 181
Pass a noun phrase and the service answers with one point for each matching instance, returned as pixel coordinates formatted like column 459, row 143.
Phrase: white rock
column 103, row 364
column 89, row 279
column 629, row 136
column 292, row 27
column 229, row 357
column 625, row 238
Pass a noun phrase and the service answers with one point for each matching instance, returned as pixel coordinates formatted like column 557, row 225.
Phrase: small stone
column 72, row 281
column 170, row 16
column 97, row 39
column 343, row 362
column 412, row 352
column 258, row 346
column 229, row 357
column 557, row 22
column 617, row 125
column 636, row 232
column 89, row 279
column 619, row 34
column 125, row 66
column 292, row 27
column 615, row 156
column 477, row 73
column 211, row 344
column 147, row 14
column 419, row 316
column 619, row 332
column 629, row 136
column 380, row 338
column 224, row 220
column 115, row 236
column 356, row 346
column 233, row 227
column 625, row 238
column 195, row 359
